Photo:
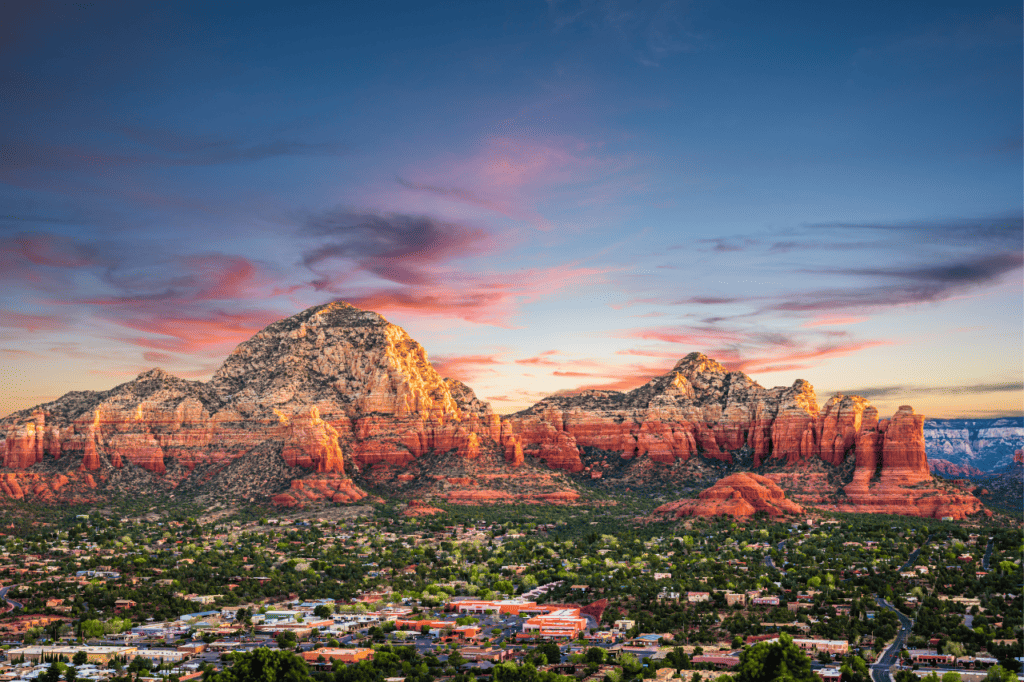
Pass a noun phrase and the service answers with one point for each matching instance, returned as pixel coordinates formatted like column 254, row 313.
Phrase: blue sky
column 547, row 195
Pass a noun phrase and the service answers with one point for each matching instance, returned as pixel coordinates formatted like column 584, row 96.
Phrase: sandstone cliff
column 319, row 405
column 699, row 409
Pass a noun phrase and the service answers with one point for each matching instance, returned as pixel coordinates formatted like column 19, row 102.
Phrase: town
column 505, row 593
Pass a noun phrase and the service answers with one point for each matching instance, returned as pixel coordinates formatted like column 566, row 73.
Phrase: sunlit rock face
column 335, row 395
column 701, row 409
column 739, row 495
column 330, row 385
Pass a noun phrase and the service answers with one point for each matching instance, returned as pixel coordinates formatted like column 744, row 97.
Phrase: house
column 719, row 662
column 829, row 675
column 733, row 598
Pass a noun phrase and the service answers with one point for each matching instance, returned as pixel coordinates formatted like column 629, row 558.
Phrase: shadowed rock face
column 335, row 392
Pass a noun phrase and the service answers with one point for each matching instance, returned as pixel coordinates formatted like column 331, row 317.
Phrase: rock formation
column 739, row 495
column 947, row 469
column 314, row 404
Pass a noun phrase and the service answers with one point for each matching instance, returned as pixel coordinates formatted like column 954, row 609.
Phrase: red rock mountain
column 952, row 470
column 739, row 495
column 334, row 396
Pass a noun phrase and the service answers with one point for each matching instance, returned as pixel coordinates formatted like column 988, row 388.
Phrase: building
column 835, row 647
column 479, row 653
column 931, row 657
column 829, row 675
column 765, row 601
column 695, row 597
column 563, row 623
column 95, row 654
column 719, row 662
column 343, row 655
column 479, row 607
column 733, row 598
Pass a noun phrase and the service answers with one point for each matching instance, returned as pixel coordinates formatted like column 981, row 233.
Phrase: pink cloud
column 464, row 367
column 539, row 359
column 180, row 333
column 11, row 319
column 829, row 321
column 801, row 359
column 488, row 298
column 512, row 175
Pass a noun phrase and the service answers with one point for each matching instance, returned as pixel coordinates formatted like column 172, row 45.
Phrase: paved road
column 912, row 559
column 3, row 595
column 880, row 669
column 988, row 554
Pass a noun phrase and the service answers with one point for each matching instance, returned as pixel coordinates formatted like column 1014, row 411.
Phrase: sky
column 547, row 195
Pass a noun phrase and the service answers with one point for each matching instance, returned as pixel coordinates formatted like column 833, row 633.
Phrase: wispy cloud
column 897, row 391
column 649, row 31
column 405, row 249
column 513, row 176
column 464, row 367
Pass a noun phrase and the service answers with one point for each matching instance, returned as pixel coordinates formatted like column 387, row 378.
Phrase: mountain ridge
column 340, row 395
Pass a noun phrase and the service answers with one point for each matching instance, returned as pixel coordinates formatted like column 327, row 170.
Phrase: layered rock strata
column 337, row 395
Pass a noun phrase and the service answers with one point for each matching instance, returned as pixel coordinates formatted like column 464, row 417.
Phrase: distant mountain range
column 983, row 444
column 337, row 405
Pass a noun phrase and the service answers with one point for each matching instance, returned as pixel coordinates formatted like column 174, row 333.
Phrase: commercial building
column 343, row 655
column 563, row 623
column 95, row 654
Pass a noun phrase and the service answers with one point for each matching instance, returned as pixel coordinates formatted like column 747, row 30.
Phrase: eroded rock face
column 329, row 385
column 739, row 495
column 335, row 392
column 950, row 470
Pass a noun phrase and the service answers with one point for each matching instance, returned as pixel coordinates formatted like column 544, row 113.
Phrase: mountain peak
column 698, row 363
column 155, row 374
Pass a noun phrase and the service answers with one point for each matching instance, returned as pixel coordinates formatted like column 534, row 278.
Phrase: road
column 988, row 554
column 912, row 559
column 3, row 595
column 880, row 668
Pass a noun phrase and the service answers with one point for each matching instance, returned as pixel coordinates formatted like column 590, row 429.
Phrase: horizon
column 548, row 196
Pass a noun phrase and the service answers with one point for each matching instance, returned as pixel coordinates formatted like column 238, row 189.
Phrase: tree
column 998, row 673
column 778, row 661
column 595, row 654
column 951, row 676
column 80, row 658
column 265, row 665
column 855, row 669
column 550, row 651
column 630, row 664
column 955, row 648
column 55, row 629
column 286, row 639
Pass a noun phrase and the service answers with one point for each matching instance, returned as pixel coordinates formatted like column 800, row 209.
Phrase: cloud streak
column 405, row 249
column 881, row 392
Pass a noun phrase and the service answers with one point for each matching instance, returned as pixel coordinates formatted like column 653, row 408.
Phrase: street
column 880, row 669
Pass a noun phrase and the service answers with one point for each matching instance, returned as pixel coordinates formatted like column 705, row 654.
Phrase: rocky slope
column 336, row 401
column 739, row 495
column 946, row 469
column 985, row 444
column 701, row 410
column 318, row 396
